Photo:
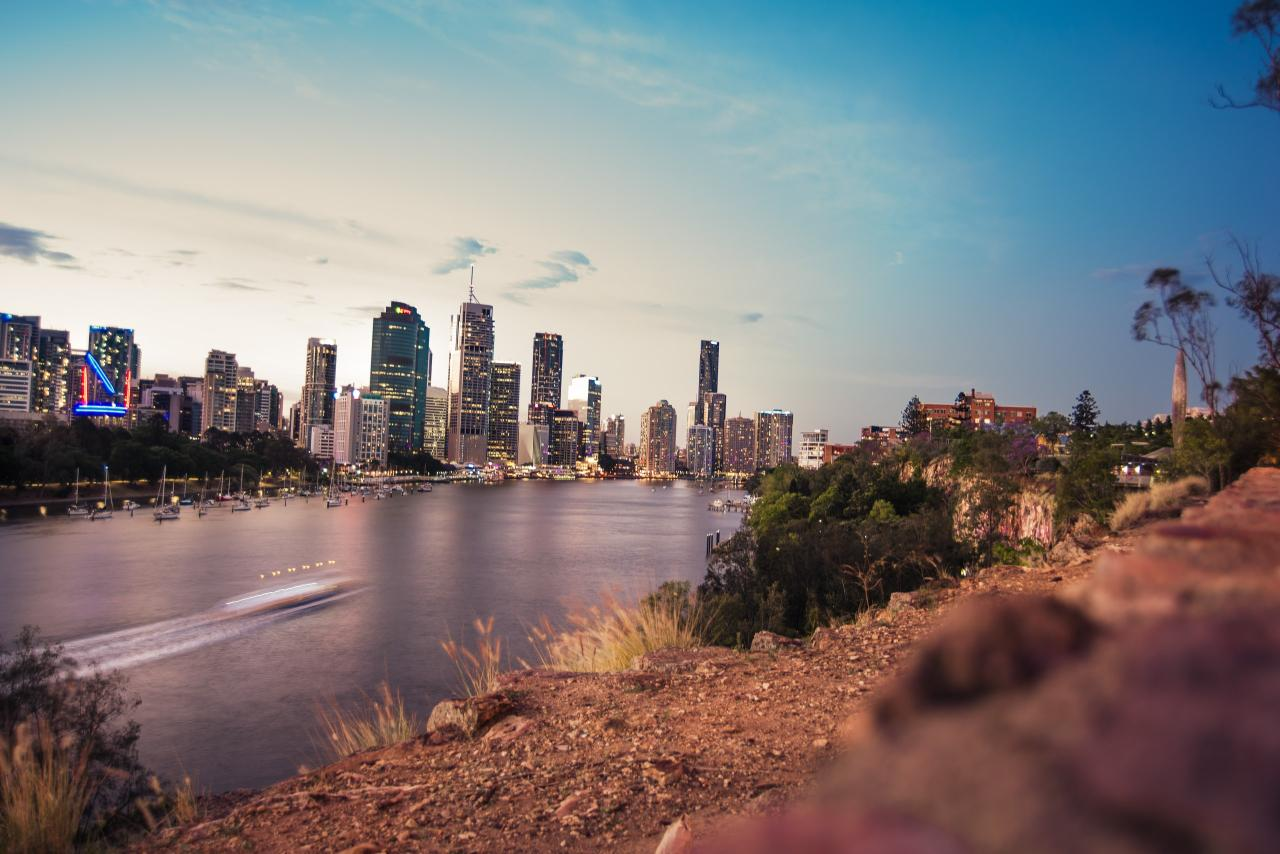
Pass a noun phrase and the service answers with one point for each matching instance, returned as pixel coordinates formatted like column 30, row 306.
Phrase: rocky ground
column 1039, row 696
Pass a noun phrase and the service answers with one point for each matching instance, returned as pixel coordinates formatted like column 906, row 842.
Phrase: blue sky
column 861, row 203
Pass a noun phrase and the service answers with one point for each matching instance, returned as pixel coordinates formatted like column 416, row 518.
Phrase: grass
column 171, row 807
column 45, row 790
column 1160, row 499
column 610, row 636
column 478, row 670
column 380, row 721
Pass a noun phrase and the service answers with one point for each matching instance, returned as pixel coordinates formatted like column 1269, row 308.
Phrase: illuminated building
column 399, row 371
column 221, row 384
column 18, row 337
column 975, row 409
column 773, row 437
column 812, row 443
column 435, row 422
column 470, row 383
column 15, row 385
column 246, row 400
column 319, row 386
column 708, row 376
column 361, row 427
column 658, row 439
column 267, row 403
column 504, row 413
column 54, row 376
column 548, row 369
column 564, row 438
column 739, row 445
column 615, row 435
column 111, row 365
column 714, row 405
column 700, row 451
column 584, row 399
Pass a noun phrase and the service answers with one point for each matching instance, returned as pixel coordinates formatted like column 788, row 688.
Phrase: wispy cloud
column 30, row 245
column 567, row 265
column 318, row 259
column 234, row 284
column 751, row 317
column 466, row 251
column 365, row 310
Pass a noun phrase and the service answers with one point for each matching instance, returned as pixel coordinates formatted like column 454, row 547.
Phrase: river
column 233, row 701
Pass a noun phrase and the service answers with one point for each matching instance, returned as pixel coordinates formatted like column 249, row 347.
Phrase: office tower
column 700, row 451
column 111, row 365
column 53, row 372
column 295, row 423
column 714, row 405
column 399, row 369
column 708, row 375
column 504, row 413
column 470, row 383
column 739, row 445
column 319, row 385
column 773, row 437
column 535, row 441
column 548, row 368
column 584, row 399
column 164, row 396
column 221, row 382
column 320, row 441
column 435, row 422
column 812, row 446
column 361, row 427
column 658, row 439
column 564, row 438
column 192, row 405
column 15, row 385
column 267, row 403
column 615, row 435
column 246, row 400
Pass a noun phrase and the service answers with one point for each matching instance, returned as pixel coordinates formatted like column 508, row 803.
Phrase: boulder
column 468, row 716
column 770, row 642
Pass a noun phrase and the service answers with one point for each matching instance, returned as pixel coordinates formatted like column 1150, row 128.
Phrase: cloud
column 234, row 284
column 29, row 245
column 318, row 259
column 466, row 251
column 366, row 310
column 751, row 317
column 566, row 265
column 898, row 259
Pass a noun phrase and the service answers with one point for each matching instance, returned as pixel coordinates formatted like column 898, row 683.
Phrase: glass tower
column 399, row 365
column 548, row 368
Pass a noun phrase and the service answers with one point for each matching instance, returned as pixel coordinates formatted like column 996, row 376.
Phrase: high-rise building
column 246, row 400
column 470, row 383
column 812, row 444
column 504, row 413
column 564, row 439
column 708, row 375
column 164, row 396
column 295, row 423
column 53, row 380
column 319, row 386
column 548, row 369
column 535, row 441
column 320, row 441
column 773, row 437
column 584, row 399
column 18, row 337
column 435, row 422
column 700, row 451
column 15, row 385
column 19, row 344
column 714, row 405
column 361, row 427
column 399, row 369
column 192, row 405
column 267, row 403
column 111, row 365
column 739, row 445
column 221, row 383
column 615, row 436
column 658, row 439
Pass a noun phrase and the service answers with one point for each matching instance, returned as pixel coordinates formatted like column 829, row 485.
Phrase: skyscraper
column 399, row 367
column 246, row 400
column 700, row 451
column 435, row 422
column 361, row 427
column 53, row 383
column 714, row 405
column 15, row 385
column 773, row 437
column 615, row 436
column 739, row 445
column 218, row 407
column 548, row 368
column 318, row 387
column 708, row 374
column 658, row 439
column 112, row 362
column 565, row 438
column 470, row 383
column 18, row 337
column 504, row 413
column 584, row 399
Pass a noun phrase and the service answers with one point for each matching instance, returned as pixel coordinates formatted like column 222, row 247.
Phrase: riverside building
column 470, row 383
column 584, row 399
column 399, row 371
column 361, row 429
column 435, row 422
column 812, row 443
column 319, row 386
column 221, row 385
column 548, row 371
column 773, row 437
column 658, row 440
column 739, row 445
column 504, row 413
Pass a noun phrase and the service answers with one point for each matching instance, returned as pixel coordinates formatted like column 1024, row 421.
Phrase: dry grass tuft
column 610, row 636
column 45, row 790
column 478, row 671
column 382, row 720
column 169, row 807
column 1160, row 499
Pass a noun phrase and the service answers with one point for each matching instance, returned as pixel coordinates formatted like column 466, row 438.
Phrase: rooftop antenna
column 471, row 290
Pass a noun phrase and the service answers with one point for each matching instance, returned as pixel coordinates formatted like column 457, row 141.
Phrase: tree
column 1260, row 19
column 1190, row 329
column 1051, row 425
column 913, row 418
column 1256, row 296
column 1084, row 415
column 960, row 410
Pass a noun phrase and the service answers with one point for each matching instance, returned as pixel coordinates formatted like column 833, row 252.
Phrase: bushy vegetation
column 1160, row 499
column 378, row 721
column 52, row 452
column 70, row 754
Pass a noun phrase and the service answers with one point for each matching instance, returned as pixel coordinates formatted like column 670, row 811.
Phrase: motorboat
column 282, row 598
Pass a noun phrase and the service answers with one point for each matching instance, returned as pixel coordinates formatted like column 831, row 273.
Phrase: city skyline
column 884, row 213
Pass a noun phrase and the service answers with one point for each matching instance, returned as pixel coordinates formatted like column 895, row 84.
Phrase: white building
column 584, row 400
column 532, row 450
column 15, row 385
column 360, row 433
column 701, row 450
column 320, row 441
column 812, row 443
column 435, row 422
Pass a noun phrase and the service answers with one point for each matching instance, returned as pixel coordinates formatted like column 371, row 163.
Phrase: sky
column 862, row 202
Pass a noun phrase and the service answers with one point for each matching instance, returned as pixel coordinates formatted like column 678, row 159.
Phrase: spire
column 471, row 289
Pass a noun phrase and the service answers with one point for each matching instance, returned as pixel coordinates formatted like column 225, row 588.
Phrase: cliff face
column 1029, row 517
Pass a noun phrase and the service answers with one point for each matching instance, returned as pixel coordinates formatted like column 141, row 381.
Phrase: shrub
column 45, row 789
column 380, row 721
column 1160, row 499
